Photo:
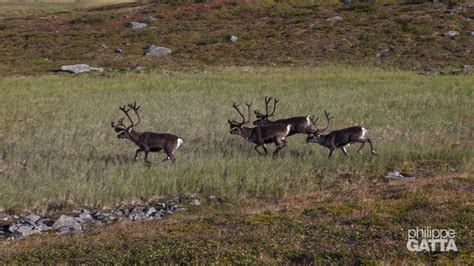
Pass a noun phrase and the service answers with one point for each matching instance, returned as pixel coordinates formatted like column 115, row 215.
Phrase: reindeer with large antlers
column 259, row 135
column 338, row 139
column 298, row 124
column 147, row 141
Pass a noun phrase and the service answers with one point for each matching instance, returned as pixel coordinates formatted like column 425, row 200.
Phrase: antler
column 267, row 102
column 236, row 107
column 249, row 108
column 328, row 118
column 133, row 107
column 275, row 101
column 119, row 123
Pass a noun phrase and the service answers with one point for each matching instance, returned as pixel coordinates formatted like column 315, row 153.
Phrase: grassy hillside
column 270, row 33
column 59, row 149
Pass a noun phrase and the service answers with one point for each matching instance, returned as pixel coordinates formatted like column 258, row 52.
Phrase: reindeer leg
column 343, row 149
column 169, row 156
column 363, row 141
column 136, row 154
column 371, row 147
column 279, row 145
column 331, row 150
column 256, row 148
column 265, row 149
column 147, row 151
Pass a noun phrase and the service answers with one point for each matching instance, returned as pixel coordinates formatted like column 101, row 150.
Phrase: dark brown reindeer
column 299, row 124
column 259, row 135
column 146, row 141
column 338, row 139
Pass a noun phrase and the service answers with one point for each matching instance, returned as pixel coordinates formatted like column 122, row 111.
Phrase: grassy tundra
column 59, row 152
column 58, row 149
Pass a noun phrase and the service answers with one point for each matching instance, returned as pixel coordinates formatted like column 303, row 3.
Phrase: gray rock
column 66, row 225
column 150, row 212
column 137, row 69
column 80, row 68
column 85, row 214
column 136, row 25
column 157, row 51
column 430, row 72
column 470, row 33
column 104, row 46
column 468, row 69
column 382, row 52
column 195, row 202
column 23, row 230
column 451, row 34
column 148, row 19
column 45, row 222
column 233, row 38
column 30, row 219
column 137, row 213
column 398, row 176
column 334, row 19
column 117, row 50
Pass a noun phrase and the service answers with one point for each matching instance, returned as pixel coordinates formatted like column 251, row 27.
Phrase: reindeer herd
column 266, row 131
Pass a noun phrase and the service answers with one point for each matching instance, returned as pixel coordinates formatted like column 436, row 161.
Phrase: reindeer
column 299, row 124
column 338, row 139
column 146, row 141
column 259, row 135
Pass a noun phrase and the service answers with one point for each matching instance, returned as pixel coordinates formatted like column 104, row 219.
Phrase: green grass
column 58, row 149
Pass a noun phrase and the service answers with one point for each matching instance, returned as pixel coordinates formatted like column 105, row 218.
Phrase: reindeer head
column 262, row 119
column 314, row 136
column 123, row 131
column 236, row 127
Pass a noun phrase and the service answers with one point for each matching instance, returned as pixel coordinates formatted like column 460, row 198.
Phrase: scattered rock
column 233, row 38
column 468, row 69
column 117, row 50
column 30, row 219
column 75, row 223
column 137, row 69
column 23, row 230
column 80, row 68
column 195, row 202
column 382, row 52
column 398, row 176
column 451, row 34
column 430, row 72
column 152, row 50
column 137, row 213
column 67, row 225
column 148, row 19
column 104, row 46
column 334, row 20
column 136, row 25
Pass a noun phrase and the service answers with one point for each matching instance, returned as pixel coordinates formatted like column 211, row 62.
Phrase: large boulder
column 80, row 68
column 67, row 225
column 153, row 50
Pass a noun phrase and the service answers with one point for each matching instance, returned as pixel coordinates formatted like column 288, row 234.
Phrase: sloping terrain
column 290, row 33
